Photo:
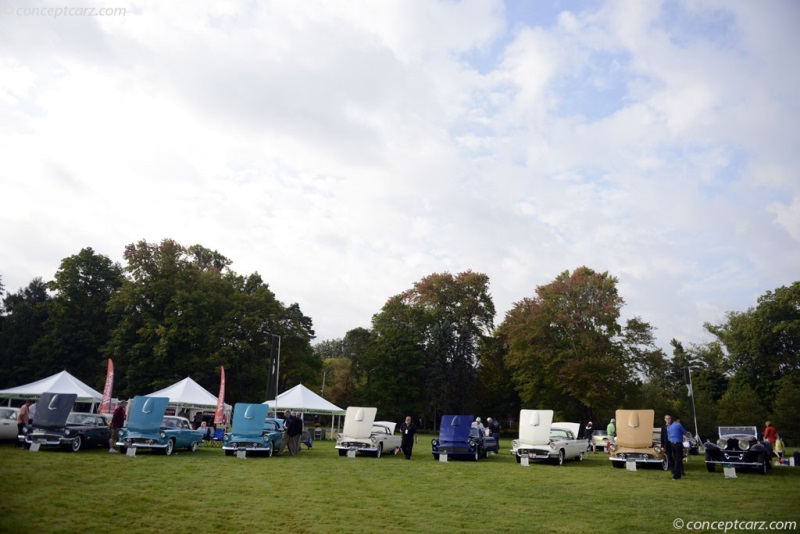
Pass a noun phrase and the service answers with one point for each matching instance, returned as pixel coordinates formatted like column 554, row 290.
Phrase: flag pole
column 694, row 412
column 277, row 372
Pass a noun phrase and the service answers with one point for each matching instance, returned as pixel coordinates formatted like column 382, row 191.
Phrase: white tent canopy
column 302, row 399
column 187, row 394
column 62, row 382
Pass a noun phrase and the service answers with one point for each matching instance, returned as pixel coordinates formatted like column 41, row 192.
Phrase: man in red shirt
column 770, row 434
column 117, row 422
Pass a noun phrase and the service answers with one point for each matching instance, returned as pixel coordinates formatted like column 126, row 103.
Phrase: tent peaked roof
column 187, row 394
column 62, row 382
column 302, row 399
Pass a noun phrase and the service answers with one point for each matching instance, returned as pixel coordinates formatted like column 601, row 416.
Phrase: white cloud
column 344, row 151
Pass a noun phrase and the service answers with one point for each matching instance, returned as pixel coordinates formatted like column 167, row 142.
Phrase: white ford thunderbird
column 361, row 433
column 541, row 439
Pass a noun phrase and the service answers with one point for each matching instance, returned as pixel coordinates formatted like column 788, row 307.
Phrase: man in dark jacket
column 665, row 439
column 494, row 427
column 409, row 433
column 296, row 430
column 287, row 433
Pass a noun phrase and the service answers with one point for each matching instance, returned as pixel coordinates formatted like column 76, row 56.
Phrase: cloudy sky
column 346, row 149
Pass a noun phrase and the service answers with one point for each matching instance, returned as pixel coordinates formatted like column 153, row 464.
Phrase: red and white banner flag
column 105, row 405
column 219, row 415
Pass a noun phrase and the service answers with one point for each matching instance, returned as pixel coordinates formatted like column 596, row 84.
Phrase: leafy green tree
column 785, row 415
column 567, row 348
column 394, row 362
column 355, row 344
column 741, row 406
column 338, row 384
column 184, row 313
column 763, row 343
column 456, row 315
column 78, row 325
column 329, row 349
column 299, row 362
column 27, row 312
column 495, row 395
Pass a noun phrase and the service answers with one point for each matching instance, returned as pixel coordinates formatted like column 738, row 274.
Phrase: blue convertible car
column 252, row 431
column 149, row 428
column 459, row 439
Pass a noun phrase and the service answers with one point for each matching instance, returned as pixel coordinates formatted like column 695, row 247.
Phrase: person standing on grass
column 676, row 436
column 494, row 428
column 298, row 431
column 408, row 431
column 770, row 434
column 23, row 417
column 665, row 438
column 117, row 422
column 287, row 440
column 588, row 433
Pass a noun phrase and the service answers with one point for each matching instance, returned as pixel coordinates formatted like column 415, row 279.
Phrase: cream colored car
column 636, row 440
column 362, row 433
column 542, row 439
column 8, row 424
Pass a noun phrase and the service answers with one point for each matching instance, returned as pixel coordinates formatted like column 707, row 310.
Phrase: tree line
column 173, row 311
column 169, row 313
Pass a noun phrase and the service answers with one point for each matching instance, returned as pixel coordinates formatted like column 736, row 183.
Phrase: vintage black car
column 56, row 426
column 738, row 447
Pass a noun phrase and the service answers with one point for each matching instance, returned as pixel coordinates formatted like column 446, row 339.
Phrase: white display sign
column 730, row 471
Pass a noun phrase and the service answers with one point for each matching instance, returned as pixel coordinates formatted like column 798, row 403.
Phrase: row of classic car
column 637, row 440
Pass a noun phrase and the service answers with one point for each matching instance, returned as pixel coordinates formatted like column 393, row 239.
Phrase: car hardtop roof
column 574, row 428
column 390, row 425
column 175, row 417
column 728, row 432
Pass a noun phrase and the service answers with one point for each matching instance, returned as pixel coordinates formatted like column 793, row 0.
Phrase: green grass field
column 318, row 491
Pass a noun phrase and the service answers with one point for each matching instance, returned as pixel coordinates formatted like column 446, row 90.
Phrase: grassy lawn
column 318, row 491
